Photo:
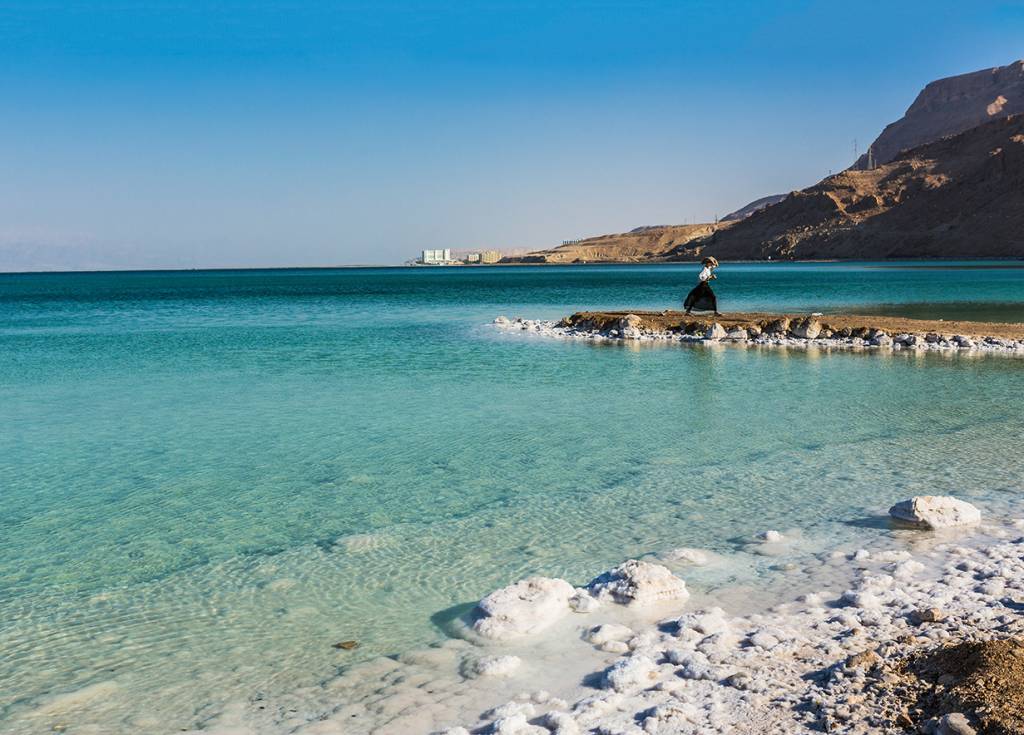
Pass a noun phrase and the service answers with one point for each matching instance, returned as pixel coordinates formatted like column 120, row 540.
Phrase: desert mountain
column 961, row 196
column 950, row 106
column 948, row 182
column 641, row 244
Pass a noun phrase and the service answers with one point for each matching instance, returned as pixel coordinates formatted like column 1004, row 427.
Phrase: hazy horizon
column 296, row 134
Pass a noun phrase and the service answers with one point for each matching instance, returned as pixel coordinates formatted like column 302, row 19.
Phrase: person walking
column 701, row 297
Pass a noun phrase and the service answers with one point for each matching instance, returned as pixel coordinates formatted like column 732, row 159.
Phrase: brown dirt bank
column 676, row 321
column 979, row 682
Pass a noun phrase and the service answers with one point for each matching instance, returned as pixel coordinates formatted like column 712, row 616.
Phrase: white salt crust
column 631, row 331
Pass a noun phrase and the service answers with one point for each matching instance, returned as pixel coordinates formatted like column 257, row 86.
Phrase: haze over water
column 209, row 478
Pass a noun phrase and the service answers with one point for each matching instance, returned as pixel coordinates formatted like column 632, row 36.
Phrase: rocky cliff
column 961, row 196
column 950, row 106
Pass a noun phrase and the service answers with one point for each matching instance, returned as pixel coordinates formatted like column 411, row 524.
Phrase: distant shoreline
column 917, row 262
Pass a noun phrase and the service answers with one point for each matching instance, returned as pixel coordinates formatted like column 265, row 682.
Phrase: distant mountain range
column 947, row 181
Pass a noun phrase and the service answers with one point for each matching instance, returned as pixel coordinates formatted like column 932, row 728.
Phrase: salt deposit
column 639, row 583
column 523, row 608
column 936, row 512
column 804, row 666
column 779, row 333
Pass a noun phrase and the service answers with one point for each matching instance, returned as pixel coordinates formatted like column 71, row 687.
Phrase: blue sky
column 187, row 134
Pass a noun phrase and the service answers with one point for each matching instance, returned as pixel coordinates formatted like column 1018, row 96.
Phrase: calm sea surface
column 208, row 478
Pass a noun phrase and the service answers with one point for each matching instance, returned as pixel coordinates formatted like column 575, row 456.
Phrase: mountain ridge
column 945, row 180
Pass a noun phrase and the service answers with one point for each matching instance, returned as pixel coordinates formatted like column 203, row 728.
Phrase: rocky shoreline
column 785, row 330
column 904, row 649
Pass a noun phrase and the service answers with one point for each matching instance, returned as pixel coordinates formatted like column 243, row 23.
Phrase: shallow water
column 209, row 478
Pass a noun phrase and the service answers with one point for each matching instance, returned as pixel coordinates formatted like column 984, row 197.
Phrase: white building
column 436, row 257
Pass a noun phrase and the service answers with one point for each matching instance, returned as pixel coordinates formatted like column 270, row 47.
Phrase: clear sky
column 191, row 134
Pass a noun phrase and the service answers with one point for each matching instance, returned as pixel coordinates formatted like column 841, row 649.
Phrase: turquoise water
column 208, row 478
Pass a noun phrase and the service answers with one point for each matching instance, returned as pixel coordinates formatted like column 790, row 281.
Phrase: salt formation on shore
column 638, row 583
column 782, row 332
column 645, row 659
column 802, row 667
column 936, row 512
column 523, row 608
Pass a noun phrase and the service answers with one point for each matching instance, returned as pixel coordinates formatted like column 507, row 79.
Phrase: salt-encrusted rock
column 777, row 326
column 510, row 709
column 693, row 664
column 863, row 660
column 516, row 725
column 926, row 615
column 737, row 334
column 805, row 328
column 907, row 569
column 561, row 723
column 600, row 634
column 955, row 723
column 739, row 680
column 964, row 342
column 631, row 674
column 771, row 537
column 696, row 557
column 453, row 731
column 705, row 622
column 672, row 717
column 497, row 665
column 936, row 511
column 526, row 607
column 763, row 639
column 629, row 326
column 583, row 602
column 881, row 339
column 637, row 582
column 714, row 332
column 503, row 320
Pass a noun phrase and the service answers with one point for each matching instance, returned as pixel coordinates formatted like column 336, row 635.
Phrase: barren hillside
column 641, row 244
column 950, row 106
column 961, row 196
